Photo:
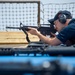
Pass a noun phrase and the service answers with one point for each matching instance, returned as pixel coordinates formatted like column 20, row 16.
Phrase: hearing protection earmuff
column 62, row 18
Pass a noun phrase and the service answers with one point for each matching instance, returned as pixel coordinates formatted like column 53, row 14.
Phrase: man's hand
column 51, row 41
column 52, row 34
column 33, row 31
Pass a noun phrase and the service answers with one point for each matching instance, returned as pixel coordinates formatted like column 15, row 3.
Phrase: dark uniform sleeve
column 66, row 33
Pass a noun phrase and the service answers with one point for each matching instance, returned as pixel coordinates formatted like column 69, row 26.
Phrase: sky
column 56, row 1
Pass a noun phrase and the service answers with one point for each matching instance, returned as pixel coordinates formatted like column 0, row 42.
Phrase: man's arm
column 52, row 41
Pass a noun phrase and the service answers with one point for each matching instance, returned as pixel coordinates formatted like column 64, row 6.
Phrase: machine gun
column 44, row 30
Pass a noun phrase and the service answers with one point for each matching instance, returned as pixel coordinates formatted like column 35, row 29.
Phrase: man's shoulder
column 71, row 25
column 72, row 22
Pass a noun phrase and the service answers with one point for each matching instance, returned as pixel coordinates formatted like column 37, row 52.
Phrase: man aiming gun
column 65, row 25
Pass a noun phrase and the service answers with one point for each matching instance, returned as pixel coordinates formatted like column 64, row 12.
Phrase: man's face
column 58, row 25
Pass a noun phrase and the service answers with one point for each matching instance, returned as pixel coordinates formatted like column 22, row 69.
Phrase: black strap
column 27, row 38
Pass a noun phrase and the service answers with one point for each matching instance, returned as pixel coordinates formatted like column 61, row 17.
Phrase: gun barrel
column 21, row 28
column 13, row 27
